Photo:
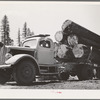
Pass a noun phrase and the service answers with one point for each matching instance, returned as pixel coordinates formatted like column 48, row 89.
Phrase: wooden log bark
column 78, row 40
column 91, row 38
column 59, row 36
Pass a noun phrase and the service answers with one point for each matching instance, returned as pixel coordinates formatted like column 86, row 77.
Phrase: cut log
column 75, row 44
column 61, row 52
column 59, row 36
column 78, row 51
column 91, row 38
column 72, row 40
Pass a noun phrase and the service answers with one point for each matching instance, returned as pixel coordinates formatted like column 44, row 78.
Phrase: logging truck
column 35, row 58
column 40, row 56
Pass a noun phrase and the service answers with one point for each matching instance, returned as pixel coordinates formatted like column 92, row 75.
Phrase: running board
column 5, row 66
column 48, row 73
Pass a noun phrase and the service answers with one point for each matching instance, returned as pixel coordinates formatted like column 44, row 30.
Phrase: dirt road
column 72, row 83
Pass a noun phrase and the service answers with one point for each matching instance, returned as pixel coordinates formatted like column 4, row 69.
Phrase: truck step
column 44, row 71
column 48, row 73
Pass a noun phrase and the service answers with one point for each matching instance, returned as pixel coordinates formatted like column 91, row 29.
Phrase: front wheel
column 24, row 73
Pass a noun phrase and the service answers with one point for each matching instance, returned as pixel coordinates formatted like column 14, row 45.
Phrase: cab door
column 45, row 52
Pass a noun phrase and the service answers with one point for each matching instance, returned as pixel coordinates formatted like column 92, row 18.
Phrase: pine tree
column 32, row 33
column 5, row 31
column 24, row 34
column 19, row 39
column 11, row 41
column 28, row 32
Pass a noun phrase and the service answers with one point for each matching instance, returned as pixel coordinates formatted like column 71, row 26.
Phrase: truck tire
column 24, row 73
column 64, row 76
column 87, row 72
column 79, row 74
column 98, row 73
column 84, row 72
column 4, row 76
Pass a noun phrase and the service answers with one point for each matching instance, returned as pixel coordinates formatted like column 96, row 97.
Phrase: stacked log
column 75, row 42
column 84, row 35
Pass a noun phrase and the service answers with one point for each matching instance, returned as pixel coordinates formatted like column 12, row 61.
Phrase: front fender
column 16, row 58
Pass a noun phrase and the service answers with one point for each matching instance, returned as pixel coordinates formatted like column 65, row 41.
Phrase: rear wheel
column 85, row 72
column 24, row 73
column 79, row 73
column 98, row 73
column 64, row 76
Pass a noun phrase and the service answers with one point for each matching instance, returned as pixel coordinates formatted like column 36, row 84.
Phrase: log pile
column 74, row 43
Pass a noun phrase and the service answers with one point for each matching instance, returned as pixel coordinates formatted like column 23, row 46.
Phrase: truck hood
column 21, row 48
column 4, row 50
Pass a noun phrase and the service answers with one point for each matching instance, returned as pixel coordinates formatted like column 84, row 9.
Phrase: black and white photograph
column 50, row 48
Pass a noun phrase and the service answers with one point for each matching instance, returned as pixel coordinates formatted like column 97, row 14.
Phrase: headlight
column 8, row 55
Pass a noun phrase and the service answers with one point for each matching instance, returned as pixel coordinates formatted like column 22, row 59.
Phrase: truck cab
column 44, row 49
column 34, row 58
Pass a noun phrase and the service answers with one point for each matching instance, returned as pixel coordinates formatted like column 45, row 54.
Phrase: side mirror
column 1, row 44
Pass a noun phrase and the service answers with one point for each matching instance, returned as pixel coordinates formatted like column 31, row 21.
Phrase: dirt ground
column 72, row 83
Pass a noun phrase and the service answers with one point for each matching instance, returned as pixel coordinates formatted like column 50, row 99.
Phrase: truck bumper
column 5, row 66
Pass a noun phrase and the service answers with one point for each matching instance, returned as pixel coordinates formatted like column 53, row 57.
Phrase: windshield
column 30, row 43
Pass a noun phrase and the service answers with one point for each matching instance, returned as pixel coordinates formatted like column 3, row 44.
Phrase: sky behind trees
column 48, row 17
